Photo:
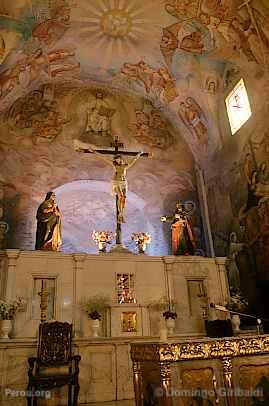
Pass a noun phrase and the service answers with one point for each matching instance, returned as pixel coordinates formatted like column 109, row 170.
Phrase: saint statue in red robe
column 183, row 242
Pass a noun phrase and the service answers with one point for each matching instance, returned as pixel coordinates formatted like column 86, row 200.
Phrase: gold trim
column 206, row 349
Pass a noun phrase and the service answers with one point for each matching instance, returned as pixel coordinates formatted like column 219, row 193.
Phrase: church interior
column 134, row 202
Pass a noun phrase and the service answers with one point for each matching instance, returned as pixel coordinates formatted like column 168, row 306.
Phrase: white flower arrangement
column 141, row 238
column 102, row 238
column 8, row 309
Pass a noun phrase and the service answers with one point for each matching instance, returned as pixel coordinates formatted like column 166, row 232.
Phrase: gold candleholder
column 43, row 302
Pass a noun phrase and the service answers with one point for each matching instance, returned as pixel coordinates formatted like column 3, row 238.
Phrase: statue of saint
column 183, row 242
column 48, row 233
column 119, row 182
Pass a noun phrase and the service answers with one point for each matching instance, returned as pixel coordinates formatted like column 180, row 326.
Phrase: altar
column 191, row 283
column 226, row 372
column 106, row 367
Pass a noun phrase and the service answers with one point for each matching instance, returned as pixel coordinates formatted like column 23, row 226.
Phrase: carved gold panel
column 129, row 322
column 256, row 378
column 199, row 386
column 204, row 349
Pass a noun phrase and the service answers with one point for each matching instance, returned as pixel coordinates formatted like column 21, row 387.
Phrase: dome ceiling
column 177, row 55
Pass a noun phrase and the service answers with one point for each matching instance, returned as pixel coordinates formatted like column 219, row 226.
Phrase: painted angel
column 193, row 117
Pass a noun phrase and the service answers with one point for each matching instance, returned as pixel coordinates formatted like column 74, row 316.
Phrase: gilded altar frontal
column 134, row 202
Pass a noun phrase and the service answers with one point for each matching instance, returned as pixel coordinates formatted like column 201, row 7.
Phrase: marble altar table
column 222, row 372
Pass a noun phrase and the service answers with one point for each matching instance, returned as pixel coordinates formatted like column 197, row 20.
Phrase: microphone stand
column 258, row 320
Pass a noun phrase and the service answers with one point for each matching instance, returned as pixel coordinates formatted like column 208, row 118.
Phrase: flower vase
column 236, row 323
column 5, row 328
column 102, row 246
column 170, row 324
column 95, row 327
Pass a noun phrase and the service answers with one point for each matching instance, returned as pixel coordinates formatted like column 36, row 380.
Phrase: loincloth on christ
column 119, row 187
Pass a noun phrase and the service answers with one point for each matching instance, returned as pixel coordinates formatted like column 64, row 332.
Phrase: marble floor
column 116, row 403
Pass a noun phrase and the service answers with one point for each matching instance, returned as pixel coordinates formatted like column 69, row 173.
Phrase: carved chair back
column 55, row 343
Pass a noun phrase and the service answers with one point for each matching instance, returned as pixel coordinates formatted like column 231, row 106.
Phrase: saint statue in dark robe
column 183, row 242
column 48, row 233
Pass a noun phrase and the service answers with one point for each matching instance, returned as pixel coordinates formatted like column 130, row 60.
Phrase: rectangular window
column 125, row 288
column 49, row 290
column 238, row 107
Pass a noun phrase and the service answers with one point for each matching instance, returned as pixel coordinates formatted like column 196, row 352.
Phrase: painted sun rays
column 115, row 26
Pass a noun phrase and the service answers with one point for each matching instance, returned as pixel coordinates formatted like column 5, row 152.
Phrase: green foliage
column 97, row 303
column 8, row 309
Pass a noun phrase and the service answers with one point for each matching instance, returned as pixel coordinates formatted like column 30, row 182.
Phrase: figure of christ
column 119, row 181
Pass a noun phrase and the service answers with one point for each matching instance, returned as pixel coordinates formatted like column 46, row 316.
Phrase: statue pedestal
column 120, row 249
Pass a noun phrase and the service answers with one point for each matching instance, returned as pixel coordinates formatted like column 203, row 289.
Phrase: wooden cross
column 116, row 145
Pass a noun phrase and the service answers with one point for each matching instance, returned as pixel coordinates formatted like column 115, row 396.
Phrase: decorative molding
column 204, row 349
column 228, row 371
column 49, row 255
column 12, row 255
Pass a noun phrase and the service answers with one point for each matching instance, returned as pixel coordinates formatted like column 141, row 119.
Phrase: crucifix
column 120, row 167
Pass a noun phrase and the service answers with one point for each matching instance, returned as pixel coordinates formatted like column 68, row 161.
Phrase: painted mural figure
column 263, row 211
column 207, row 25
column 31, row 67
column 38, row 111
column 193, row 117
column 158, row 81
column 39, row 62
column 257, row 179
column 47, row 30
column 48, row 233
column 261, row 180
column 192, row 36
column 150, row 129
column 10, row 78
column 183, row 242
column 233, row 271
column 99, row 116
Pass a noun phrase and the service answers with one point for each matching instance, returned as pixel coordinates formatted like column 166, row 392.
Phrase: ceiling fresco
column 37, row 134
column 175, row 54
column 153, row 72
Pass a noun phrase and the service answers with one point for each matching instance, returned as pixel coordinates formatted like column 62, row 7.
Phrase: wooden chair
column 54, row 365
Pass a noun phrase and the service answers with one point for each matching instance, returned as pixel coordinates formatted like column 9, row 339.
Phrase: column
column 79, row 266
column 202, row 193
column 12, row 257
column 138, row 387
column 228, row 374
column 4, row 227
column 223, row 279
column 165, row 372
column 168, row 268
